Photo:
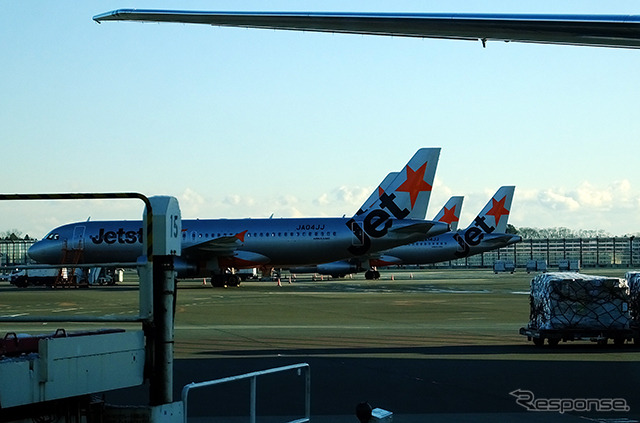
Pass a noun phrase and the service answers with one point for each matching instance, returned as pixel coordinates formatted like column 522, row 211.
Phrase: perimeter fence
column 589, row 252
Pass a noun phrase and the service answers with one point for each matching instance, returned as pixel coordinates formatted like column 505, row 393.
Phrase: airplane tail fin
column 409, row 191
column 495, row 214
column 450, row 213
column 375, row 195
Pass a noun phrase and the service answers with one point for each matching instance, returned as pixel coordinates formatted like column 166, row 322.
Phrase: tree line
column 560, row 233
column 13, row 235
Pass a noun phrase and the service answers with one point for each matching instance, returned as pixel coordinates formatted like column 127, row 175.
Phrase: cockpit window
column 53, row 235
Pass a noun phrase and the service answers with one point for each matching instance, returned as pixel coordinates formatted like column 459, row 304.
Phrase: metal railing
column 253, row 376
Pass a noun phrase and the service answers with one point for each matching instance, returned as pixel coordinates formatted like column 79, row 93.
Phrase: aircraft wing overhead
column 585, row 30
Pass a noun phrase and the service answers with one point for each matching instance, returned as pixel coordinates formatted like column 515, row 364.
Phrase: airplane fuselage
column 449, row 246
column 209, row 244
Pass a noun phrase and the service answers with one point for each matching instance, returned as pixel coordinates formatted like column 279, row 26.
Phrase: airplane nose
column 44, row 252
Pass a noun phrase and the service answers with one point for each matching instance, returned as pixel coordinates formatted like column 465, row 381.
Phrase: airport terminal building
column 13, row 252
column 588, row 252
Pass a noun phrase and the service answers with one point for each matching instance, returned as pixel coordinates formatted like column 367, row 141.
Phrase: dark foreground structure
column 425, row 388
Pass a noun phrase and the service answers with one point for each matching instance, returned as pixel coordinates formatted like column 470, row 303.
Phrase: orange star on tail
column 497, row 209
column 449, row 215
column 415, row 183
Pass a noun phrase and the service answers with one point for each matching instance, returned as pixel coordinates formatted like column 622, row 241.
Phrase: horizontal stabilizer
column 426, row 227
column 500, row 240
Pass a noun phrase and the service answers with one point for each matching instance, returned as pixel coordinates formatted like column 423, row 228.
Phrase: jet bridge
column 54, row 375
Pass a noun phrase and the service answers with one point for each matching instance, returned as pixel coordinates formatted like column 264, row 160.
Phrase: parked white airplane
column 386, row 190
column 216, row 246
column 487, row 232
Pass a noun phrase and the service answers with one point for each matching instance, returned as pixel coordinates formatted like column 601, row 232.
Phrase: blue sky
column 249, row 123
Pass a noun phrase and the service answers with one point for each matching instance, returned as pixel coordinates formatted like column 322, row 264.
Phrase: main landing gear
column 372, row 274
column 225, row 279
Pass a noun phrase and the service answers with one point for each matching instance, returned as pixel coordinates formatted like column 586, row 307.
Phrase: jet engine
column 337, row 269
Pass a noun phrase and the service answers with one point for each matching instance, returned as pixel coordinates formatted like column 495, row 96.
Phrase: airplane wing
column 225, row 248
column 221, row 246
column 584, row 30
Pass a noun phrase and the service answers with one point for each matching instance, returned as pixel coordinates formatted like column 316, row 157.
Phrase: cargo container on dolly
column 569, row 306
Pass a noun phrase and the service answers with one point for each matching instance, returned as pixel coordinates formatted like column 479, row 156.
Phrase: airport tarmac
column 433, row 345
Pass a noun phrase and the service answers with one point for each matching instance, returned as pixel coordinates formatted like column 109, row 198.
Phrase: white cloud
column 323, row 200
column 236, row 200
column 190, row 202
column 286, row 200
column 610, row 207
column 341, row 200
column 559, row 201
column 349, row 195
column 616, row 195
column 588, row 195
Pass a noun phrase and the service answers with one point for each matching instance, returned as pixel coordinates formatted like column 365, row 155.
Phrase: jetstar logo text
column 472, row 236
column 121, row 236
column 375, row 224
